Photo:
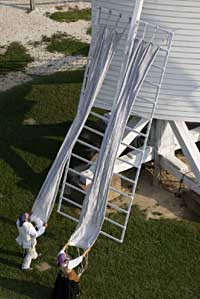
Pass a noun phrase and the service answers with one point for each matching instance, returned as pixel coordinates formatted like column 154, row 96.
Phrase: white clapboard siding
column 180, row 93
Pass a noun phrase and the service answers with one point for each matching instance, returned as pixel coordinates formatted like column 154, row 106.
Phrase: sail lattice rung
column 151, row 83
column 138, row 150
column 88, row 145
column 116, row 208
column 75, row 188
column 114, row 222
column 68, row 216
column 135, row 131
column 78, row 173
column 145, row 99
column 73, row 203
column 94, row 131
column 104, row 118
column 82, row 159
column 123, row 177
column 120, row 192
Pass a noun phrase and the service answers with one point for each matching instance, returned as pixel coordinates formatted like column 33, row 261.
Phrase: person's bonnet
column 22, row 219
column 63, row 259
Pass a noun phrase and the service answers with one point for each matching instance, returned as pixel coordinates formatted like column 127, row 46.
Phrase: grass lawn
column 158, row 260
column 63, row 43
column 73, row 15
column 15, row 58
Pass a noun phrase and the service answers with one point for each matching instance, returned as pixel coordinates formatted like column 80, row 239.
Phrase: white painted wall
column 180, row 94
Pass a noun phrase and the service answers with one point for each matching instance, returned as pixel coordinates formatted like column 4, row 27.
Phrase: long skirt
column 65, row 288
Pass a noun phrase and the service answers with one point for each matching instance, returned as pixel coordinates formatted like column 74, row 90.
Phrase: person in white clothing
column 27, row 239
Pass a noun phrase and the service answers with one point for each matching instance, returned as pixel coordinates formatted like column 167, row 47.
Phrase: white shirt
column 28, row 234
column 39, row 223
column 72, row 263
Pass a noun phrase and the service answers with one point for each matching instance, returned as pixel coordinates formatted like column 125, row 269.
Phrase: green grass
column 159, row 259
column 63, row 43
column 71, row 15
column 15, row 58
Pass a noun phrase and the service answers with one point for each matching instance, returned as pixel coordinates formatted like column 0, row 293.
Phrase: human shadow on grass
column 45, row 147
column 9, row 262
column 10, row 252
column 7, row 220
column 26, row 288
column 35, row 139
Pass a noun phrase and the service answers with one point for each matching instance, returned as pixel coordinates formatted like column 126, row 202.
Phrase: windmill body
column 179, row 97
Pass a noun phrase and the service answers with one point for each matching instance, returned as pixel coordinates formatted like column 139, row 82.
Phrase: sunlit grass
column 72, row 15
column 63, row 43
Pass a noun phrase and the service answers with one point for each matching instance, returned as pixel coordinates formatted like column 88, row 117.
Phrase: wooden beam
column 188, row 146
column 133, row 158
column 129, row 136
column 195, row 133
column 164, row 141
column 181, row 171
column 32, row 5
column 134, row 23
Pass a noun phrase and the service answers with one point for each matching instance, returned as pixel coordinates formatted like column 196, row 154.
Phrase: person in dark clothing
column 65, row 288
column 67, row 282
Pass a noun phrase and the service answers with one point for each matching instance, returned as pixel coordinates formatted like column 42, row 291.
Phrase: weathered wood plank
column 188, row 146
column 181, row 171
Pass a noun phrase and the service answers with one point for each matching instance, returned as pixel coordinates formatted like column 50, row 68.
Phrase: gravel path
column 16, row 24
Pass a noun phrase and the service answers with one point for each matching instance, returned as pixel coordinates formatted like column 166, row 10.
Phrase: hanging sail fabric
column 94, row 206
column 100, row 57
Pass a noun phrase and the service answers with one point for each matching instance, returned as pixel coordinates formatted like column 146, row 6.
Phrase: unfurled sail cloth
column 101, row 55
column 94, row 206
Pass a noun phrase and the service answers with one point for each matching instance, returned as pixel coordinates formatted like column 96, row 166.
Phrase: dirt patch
column 169, row 199
column 165, row 200
column 29, row 121
column 43, row 267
